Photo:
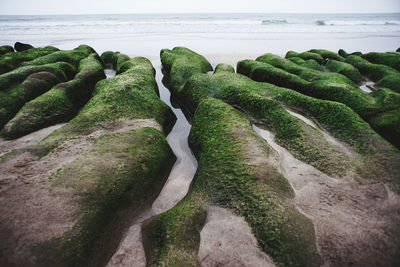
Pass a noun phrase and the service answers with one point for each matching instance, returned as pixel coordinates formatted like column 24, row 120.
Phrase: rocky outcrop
column 390, row 59
column 102, row 168
column 330, row 86
column 10, row 61
column 4, row 49
column 229, row 176
column 59, row 104
column 18, row 46
column 236, row 170
column 383, row 76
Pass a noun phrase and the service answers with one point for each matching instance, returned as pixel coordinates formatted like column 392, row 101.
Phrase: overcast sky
column 19, row 7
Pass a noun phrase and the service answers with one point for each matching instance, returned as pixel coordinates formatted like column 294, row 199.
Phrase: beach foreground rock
column 269, row 187
column 297, row 159
column 71, row 195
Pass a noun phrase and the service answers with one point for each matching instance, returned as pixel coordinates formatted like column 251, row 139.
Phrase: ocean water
column 146, row 34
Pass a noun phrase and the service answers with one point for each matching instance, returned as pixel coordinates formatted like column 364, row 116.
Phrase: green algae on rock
column 4, row 49
column 224, row 67
column 11, row 61
column 345, row 69
column 26, row 83
column 344, row 54
column 119, row 172
column 180, row 63
column 263, row 101
column 390, row 59
column 326, row 54
column 59, row 104
column 328, row 87
column 118, row 157
column 291, row 133
column 305, row 73
column 230, row 175
column 306, row 56
column 72, row 57
column 107, row 58
column 383, row 76
column 384, row 122
column 127, row 96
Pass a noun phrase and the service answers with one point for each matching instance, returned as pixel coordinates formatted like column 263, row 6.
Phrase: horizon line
column 158, row 13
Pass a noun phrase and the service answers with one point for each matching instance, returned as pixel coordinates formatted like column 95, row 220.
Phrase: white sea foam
column 146, row 34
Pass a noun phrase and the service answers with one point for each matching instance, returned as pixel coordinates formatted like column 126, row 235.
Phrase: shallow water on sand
column 185, row 166
column 130, row 251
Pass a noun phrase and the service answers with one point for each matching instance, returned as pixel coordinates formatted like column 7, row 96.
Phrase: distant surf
column 234, row 32
column 356, row 23
column 274, row 21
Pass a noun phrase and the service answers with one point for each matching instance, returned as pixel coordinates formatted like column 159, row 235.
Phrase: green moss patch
column 390, row 59
column 4, row 49
column 120, row 170
column 180, row 63
column 26, row 83
column 345, row 69
column 326, row 54
column 306, row 56
column 383, row 75
column 228, row 176
column 59, row 104
column 127, row 96
column 224, row 67
column 324, row 87
column 107, row 58
column 10, row 61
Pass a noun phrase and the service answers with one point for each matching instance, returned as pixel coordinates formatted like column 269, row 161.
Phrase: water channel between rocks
column 130, row 251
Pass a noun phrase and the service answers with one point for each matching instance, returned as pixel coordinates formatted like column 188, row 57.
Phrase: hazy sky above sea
column 39, row 7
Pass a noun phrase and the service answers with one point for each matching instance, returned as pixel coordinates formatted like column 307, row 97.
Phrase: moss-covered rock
column 230, row 177
column 312, row 64
column 345, row 69
column 366, row 105
column 326, row 54
column 127, row 96
column 388, row 125
column 383, row 76
column 291, row 132
column 224, row 67
column 297, row 60
column 70, row 56
column 120, row 172
column 344, row 54
column 60, row 104
column 13, row 78
column 306, row 73
column 173, row 238
column 107, row 58
column 26, row 83
column 333, row 86
column 22, row 47
column 305, row 56
column 11, row 61
column 4, row 49
column 180, row 63
column 258, row 100
column 390, row 59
